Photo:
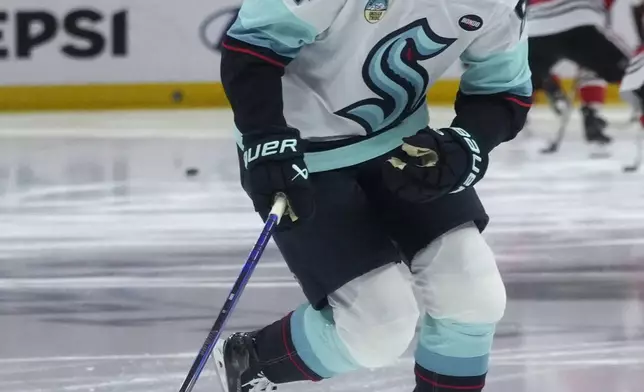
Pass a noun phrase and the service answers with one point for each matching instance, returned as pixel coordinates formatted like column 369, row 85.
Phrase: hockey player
column 591, row 91
column 575, row 31
column 329, row 97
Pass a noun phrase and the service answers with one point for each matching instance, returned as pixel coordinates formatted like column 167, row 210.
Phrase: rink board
column 138, row 54
column 164, row 96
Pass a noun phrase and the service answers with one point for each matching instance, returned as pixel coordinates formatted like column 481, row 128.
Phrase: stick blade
column 551, row 149
column 630, row 169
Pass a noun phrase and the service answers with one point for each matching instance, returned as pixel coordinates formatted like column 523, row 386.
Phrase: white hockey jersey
column 547, row 17
column 363, row 67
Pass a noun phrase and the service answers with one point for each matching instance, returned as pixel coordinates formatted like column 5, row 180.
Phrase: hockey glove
column 433, row 163
column 275, row 163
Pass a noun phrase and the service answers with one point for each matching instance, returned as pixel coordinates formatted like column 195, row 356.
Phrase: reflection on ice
column 114, row 262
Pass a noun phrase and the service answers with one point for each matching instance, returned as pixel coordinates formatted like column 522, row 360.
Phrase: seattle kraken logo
column 392, row 71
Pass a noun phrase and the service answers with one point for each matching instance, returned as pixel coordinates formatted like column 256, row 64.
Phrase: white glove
column 632, row 87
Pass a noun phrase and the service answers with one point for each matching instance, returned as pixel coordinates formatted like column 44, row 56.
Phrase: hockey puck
column 177, row 96
column 192, row 172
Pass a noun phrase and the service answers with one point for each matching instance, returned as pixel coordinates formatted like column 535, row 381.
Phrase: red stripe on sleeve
column 254, row 54
column 519, row 102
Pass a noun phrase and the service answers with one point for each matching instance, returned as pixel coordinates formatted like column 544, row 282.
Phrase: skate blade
column 220, row 367
column 599, row 151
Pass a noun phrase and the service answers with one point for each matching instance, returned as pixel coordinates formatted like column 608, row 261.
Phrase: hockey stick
column 206, row 349
column 639, row 145
column 565, row 120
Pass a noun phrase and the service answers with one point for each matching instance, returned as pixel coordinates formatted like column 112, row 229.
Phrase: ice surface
column 114, row 263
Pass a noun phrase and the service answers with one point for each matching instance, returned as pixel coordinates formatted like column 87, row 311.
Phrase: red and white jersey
column 547, row 17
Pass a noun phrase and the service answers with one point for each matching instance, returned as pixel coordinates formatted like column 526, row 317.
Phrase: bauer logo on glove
column 273, row 164
column 269, row 148
column 433, row 163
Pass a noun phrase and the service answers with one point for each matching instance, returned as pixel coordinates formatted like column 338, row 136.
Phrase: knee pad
column 376, row 316
column 457, row 278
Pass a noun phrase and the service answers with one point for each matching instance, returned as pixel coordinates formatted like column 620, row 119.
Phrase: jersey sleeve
column 497, row 61
column 637, row 11
column 266, row 36
column 283, row 26
column 495, row 92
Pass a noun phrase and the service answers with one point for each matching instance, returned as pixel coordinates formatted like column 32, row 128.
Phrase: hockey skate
column 238, row 367
column 594, row 127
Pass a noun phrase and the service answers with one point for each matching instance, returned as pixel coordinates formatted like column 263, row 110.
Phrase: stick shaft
column 639, row 147
column 564, row 119
column 235, row 294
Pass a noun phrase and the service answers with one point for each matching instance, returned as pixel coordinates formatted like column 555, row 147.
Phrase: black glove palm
column 434, row 162
column 275, row 163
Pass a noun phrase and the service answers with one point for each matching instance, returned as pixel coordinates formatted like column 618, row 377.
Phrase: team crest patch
column 375, row 10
